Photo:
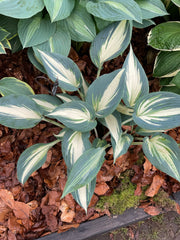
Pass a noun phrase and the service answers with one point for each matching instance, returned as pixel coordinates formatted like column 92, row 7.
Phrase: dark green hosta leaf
column 145, row 23
column 60, row 9
column 19, row 112
column 46, row 103
column 2, row 49
column 63, row 69
column 85, row 169
column 164, row 153
column 19, row 9
column 173, row 89
column 19, row 87
column 115, row 10
column 32, row 159
column 59, row 42
column 3, row 33
column 76, row 115
column 6, row 44
column 10, row 24
column 106, row 92
column 81, row 25
column 156, row 111
column 136, row 82
column 176, row 80
column 74, row 144
column 35, row 30
column 165, row 36
column 101, row 24
column 167, row 64
column 151, row 8
column 110, row 42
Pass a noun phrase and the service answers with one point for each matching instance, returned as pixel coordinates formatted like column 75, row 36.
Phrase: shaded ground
column 163, row 227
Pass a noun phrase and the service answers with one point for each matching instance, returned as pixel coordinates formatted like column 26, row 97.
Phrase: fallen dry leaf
column 101, row 188
column 67, row 214
column 155, row 186
column 147, row 165
column 7, row 198
column 177, row 208
column 4, row 211
column 67, row 227
column 138, row 190
column 151, row 210
column 21, row 210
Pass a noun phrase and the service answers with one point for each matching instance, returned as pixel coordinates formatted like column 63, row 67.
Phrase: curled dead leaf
column 155, row 186
column 153, row 211
column 101, row 188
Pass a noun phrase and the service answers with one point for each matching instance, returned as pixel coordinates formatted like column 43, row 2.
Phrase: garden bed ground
column 35, row 209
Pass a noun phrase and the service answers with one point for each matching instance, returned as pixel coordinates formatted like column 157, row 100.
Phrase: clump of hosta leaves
column 113, row 100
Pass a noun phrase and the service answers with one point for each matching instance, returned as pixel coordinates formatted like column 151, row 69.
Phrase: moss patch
column 123, row 198
column 163, row 200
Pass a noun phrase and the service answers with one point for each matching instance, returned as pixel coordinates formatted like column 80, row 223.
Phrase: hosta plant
column 112, row 100
column 50, row 25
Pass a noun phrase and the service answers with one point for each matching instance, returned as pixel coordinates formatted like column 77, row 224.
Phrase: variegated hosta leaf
column 66, row 97
column 106, row 92
column 61, row 134
column 35, row 30
column 146, row 132
column 167, row 64
column 60, row 9
column 19, row 9
column 81, row 25
column 165, row 36
column 85, row 169
column 10, row 24
column 19, row 112
column 84, row 194
column 176, row 2
column 76, row 115
column 110, row 42
column 164, row 153
column 3, row 34
column 120, row 141
column 35, row 61
column 121, row 145
column 19, row 87
column 6, row 44
column 115, row 10
column 2, row 49
column 32, row 159
column 101, row 24
column 156, row 111
column 136, row 82
column 152, row 8
column 124, row 109
column 59, row 42
column 46, row 103
column 63, row 69
column 74, row 144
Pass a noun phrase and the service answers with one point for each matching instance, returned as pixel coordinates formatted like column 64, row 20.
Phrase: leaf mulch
column 34, row 209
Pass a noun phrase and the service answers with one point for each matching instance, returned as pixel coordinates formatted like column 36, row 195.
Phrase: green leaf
column 3, row 33
column 146, row 132
column 101, row 24
column 136, row 82
column 167, row 64
column 165, row 36
column 19, row 9
column 66, row 97
column 10, row 24
column 46, row 103
column 163, row 152
column 60, row 9
column 110, row 42
column 105, row 93
column 59, row 42
column 19, row 87
column 32, row 159
column 85, row 169
column 63, row 69
column 151, row 8
column 176, row 80
column 115, row 10
column 19, row 112
column 81, row 25
column 15, row 44
column 156, row 111
column 76, row 115
column 6, row 44
column 35, row 30
column 2, row 49
column 173, row 89
column 176, row 2
column 145, row 23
